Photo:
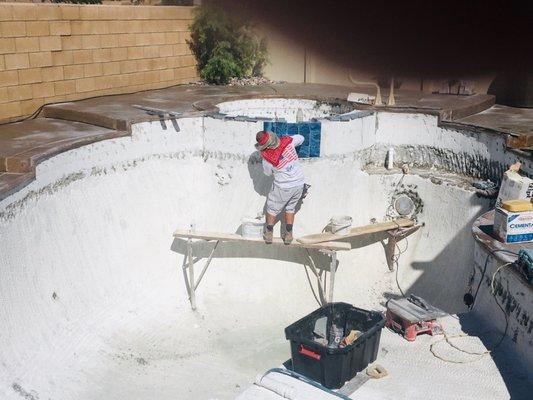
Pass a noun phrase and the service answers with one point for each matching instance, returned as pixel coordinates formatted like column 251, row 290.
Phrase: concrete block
column 141, row 13
column 52, row 74
column 159, row 63
column 92, row 70
column 3, row 95
column 102, row 55
column 54, row 99
column 118, row 12
column 181, row 49
column 100, row 27
column 143, row 39
column 17, row 61
column 135, row 26
column 115, row 27
column 109, row 12
column 65, row 57
column 40, row 59
column 2, row 63
column 185, row 36
column 80, row 28
column 64, row 87
column 32, row 75
column 70, row 12
column 188, row 60
column 9, row 78
column 166, row 75
column 26, row 44
column 135, row 52
column 75, row 96
column 44, row 89
column 144, row 64
column 71, row 42
column 151, row 51
column 89, row 12
column 49, row 12
column 61, row 28
column 82, row 56
column 173, row 62
column 13, row 29
column 127, row 40
column 90, row 42
column 128, row 66
column 118, row 54
column 157, row 38
column 166, row 51
column 10, row 110
column 85, row 85
column 7, row 45
column 89, row 27
column 20, row 92
column 6, row 12
column 172, row 37
column 37, row 28
column 111, row 68
column 30, row 106
column 73, row 71
column 52, row 43
column 24, row 12
column 108, row 41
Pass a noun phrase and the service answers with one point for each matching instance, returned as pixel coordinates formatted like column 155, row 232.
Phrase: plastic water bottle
column 299, row 115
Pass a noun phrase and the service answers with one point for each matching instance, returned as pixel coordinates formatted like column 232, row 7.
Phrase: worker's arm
column 267, row 168
column 297, row 140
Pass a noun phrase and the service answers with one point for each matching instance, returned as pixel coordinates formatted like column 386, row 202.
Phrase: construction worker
column 280, row 159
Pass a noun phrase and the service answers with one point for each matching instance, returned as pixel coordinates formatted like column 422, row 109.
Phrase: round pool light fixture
column 404, row 205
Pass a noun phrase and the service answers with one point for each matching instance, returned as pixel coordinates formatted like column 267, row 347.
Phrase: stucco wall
column 290, row 61
column 51, row 53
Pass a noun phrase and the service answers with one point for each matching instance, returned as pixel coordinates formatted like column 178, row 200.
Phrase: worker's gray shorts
column 279, row 198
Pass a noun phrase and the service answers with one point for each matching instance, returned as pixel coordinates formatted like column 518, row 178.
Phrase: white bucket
column 340, row 224
column 252, row 228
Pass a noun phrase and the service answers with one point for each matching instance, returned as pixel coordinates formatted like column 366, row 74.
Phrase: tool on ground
column 172, row 115
column 413, row 316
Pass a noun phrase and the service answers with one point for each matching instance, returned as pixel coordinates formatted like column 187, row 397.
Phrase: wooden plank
column 233, row 237
column 358, row 231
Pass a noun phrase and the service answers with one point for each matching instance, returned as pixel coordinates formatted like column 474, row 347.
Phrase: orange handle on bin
column 309, row 353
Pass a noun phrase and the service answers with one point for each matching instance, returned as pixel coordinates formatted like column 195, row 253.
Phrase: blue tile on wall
column 311, row 131
column 292, row 129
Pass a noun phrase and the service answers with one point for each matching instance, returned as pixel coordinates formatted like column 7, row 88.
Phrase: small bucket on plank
column 340, row 224
column 252, row 228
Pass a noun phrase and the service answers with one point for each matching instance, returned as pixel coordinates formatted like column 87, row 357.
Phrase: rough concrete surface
column 92, row 297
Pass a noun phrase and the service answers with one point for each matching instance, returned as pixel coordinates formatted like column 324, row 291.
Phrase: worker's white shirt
column 288, row 174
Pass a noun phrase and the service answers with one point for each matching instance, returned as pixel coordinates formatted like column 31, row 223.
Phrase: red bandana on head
column 273, row 156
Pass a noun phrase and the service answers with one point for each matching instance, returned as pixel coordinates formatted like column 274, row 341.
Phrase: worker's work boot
column 268, row 235
column 287, row 238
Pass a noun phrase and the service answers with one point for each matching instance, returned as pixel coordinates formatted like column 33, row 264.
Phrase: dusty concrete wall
column 51, row 53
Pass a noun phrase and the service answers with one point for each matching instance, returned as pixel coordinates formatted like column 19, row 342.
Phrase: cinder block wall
column 51, row 53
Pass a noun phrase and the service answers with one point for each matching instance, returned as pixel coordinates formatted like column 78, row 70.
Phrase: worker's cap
column 266, row 140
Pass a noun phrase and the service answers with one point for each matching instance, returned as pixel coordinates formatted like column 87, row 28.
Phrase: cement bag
column 514, row 187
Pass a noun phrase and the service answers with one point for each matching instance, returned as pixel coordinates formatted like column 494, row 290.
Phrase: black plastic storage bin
column 332, row 367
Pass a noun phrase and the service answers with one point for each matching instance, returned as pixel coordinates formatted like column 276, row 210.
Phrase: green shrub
column 225, row 47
